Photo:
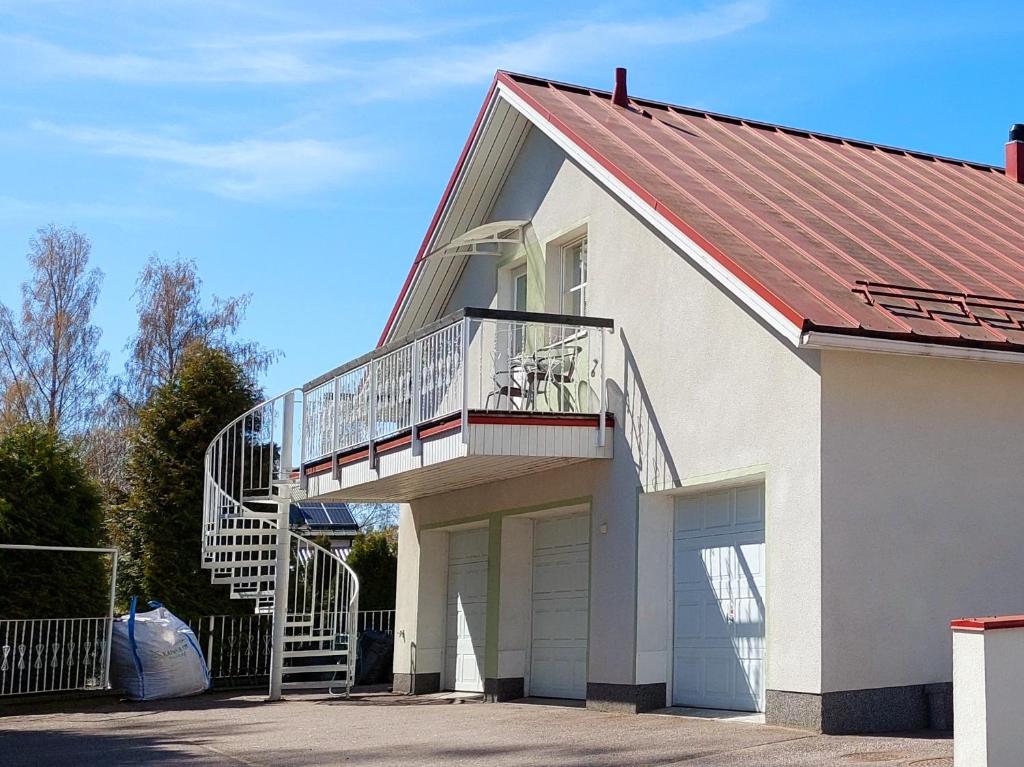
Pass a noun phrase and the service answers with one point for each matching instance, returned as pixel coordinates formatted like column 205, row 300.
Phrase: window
column 519, row 289
column 518, row 304
column 574, row 278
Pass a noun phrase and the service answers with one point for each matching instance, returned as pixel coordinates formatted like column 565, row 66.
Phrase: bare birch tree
column 375, row 516
column 172, row 317
column 51, row 368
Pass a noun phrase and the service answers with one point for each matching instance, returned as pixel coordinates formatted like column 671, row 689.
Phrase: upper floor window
column 574, row 278
column 519, row 304
column 519, row 289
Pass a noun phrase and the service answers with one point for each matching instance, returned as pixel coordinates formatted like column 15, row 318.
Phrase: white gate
column 51, row 655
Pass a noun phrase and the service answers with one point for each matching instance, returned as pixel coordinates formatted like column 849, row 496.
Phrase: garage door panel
column 717, row 511
column 716, row 679
column 749, row 506
column 560, row 574
column 719, row 599
column 560, row 620
column 467, row 581
column 466, row 610
column 467, row 545
column 561, row 601
column 690, row 568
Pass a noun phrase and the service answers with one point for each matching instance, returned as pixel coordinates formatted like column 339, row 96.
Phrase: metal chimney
column 1015, row 154
column 620, row 97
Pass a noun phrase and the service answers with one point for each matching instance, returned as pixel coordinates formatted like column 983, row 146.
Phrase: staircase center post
column 281, row 583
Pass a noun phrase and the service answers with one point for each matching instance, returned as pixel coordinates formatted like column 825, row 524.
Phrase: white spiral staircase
column 250, row 484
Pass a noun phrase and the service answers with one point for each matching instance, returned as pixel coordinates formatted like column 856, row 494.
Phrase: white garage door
column 719, row 600
column 561, row 595
column 466, row 610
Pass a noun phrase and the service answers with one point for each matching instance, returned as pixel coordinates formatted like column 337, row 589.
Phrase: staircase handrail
column 212, row 483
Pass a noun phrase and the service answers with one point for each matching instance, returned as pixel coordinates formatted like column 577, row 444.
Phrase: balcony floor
column 446, row 477
column 497, row 447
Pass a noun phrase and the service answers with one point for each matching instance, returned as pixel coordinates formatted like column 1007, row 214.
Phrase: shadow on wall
column 655, row 469
column 718, row 650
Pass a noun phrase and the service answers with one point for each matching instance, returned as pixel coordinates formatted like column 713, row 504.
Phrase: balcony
column 478, row 396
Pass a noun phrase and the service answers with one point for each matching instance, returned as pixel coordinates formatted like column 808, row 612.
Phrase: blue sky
column 296, row 151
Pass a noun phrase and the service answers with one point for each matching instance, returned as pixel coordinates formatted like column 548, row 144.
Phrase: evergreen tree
column 159, row 528
column 47, row 499
column 374, row 557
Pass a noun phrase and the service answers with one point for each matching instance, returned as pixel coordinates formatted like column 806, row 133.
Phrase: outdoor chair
column 510, row 383
column 554, row 369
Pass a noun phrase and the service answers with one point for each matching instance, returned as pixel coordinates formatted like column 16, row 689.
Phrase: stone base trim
column 416, row 684
column 849, row 712
column 504, row 689
column 625, row 698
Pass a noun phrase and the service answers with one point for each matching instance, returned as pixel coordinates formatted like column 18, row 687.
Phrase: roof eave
column 851, row 339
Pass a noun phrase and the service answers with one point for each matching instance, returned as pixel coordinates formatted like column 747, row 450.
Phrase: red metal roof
column 837, row 235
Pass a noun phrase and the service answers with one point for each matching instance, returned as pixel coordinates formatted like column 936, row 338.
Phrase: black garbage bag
column 376, row 650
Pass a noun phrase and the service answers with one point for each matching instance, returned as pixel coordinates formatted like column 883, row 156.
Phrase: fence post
column 415, row 405
column 209, row 644
column 287, row 429
column 601, row 391
column 464, row 421
column 110, row 621
column 281, row 579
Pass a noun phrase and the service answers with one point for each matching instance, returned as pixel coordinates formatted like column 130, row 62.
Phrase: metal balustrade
column 47, row 655
column 474, row 360
column 236, row 647
column 377, row 620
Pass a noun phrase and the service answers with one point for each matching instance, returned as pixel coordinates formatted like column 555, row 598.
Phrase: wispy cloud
column 560, row 45
column 18, row 209
column 249, row 169
column 34, row 58
column 381, row 59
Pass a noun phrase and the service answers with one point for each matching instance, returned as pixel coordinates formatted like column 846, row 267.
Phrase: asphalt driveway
column 381, row 729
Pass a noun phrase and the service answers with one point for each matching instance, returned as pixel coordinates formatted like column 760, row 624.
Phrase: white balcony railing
column 474, row 360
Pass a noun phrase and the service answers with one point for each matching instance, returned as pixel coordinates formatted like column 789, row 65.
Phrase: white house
column 686, row 409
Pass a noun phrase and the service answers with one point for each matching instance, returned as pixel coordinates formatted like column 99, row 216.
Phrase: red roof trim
column 988, row 623
column 515, row 419
column 422, row 252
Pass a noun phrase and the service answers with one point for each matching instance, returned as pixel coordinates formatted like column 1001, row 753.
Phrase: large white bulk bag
column 155, row 655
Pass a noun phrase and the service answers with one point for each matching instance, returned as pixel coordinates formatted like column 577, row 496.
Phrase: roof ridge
column 761, row 124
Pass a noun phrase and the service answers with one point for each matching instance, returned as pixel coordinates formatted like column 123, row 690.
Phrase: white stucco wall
column 988, row 674
column 701, row 390
column 922, row 512
column 970, row 740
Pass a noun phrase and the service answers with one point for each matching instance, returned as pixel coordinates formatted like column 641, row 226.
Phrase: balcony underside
column 441, row 459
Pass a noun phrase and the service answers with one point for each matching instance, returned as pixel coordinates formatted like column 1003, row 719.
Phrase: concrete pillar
column 419, row 606
column 654, row 606
column 611, row 671
column 988, row 680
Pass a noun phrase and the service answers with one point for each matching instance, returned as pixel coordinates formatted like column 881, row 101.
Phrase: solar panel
column 318, row 514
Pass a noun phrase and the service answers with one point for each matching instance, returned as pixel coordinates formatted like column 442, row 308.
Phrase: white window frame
column 566, row 252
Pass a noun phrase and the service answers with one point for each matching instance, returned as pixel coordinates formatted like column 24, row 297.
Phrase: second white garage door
column 561, row 597
column 719, row 600
column 466, row 617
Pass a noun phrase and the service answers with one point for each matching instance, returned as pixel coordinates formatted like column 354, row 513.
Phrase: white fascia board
column 726, row 279
column 840, row 342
